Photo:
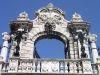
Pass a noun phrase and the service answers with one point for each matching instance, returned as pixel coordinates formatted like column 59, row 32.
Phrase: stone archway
column 49, row 23
column 51, row 35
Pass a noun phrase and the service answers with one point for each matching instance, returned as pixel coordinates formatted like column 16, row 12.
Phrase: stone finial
column 92, row 38
column 76, row 18
column 5, row 36
column 50, row 5
column 23, row 16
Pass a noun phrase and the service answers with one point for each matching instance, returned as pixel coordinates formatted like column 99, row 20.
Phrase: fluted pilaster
column 71, row 48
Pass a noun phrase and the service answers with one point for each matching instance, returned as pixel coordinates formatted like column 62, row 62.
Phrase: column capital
column 75, row 36
column 70, row 38
column 5, row 36
column 92, row 38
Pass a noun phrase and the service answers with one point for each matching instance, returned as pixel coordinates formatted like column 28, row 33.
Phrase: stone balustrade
column 5, row 67
column 63, row 66
column 94, row 68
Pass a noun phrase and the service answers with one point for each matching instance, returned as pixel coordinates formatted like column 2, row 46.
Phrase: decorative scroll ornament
column 50, row 8
column 50, row 17
column 50, row 25
column 23, row 16
column 53, row 20
column 76, row 18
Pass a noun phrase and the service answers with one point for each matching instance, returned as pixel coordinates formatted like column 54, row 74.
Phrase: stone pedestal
column 86, row 65
column 13, row 65
column 1, row 62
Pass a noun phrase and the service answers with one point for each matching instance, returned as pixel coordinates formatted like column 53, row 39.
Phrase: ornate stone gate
column 49, row 23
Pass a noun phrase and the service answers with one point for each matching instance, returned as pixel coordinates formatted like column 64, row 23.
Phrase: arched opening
column 50, row 48
column 51, row 45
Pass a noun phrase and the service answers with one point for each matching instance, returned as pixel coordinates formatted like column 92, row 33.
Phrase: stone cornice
column 14, row 25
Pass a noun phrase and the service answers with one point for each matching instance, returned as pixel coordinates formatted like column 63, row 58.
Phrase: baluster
column 29, row 66
column 34, row 67
column 0, row 68
column 20, row 67
column 71, row 67
column 75, row 67
column 61, row 67
column 66, row 67
column 98, row 68
column 95, row 68
column 79, row 67
column 4, row 68
column 38, row 66
column 7, row 67
column 24, row 67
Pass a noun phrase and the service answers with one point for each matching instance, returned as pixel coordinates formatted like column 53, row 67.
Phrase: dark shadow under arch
column 51, row 35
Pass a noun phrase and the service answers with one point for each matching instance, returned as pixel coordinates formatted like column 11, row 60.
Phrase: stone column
column 85, row 44
column 76, row 46
column 71, row 49
column 79, row 48
column 13, row 48
column 93, row 39
column 5, row 37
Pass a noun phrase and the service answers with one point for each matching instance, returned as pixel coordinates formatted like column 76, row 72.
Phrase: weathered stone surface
column 49, row 23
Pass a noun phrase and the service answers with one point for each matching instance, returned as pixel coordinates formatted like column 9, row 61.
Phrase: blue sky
column 47, row 48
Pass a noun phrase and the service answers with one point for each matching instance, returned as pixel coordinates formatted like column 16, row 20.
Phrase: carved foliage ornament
column 51, row 8
column 86, row 66
column 49, row 26
column 43, row 18
column 52, row 14
column 13, row 65
column 25, row 66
